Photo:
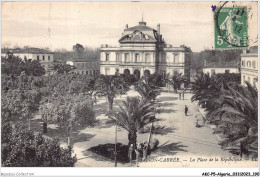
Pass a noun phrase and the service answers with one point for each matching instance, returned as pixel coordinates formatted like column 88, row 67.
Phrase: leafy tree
column 110, row 86
column 18, row 105
column 62, row 68
column 79, row 50
column 68, row 111
column 133, row 115
column 12, row 65
column 22, row 148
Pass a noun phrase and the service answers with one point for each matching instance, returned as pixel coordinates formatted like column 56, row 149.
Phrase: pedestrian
column 130, row 152
column 183, row 95
column 95, row 99
column 186, row 110
column 197, row 123
column 137, row 152
column 145, row 146
column 180, row 95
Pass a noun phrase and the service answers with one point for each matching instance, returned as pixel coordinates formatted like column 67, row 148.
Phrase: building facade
column 249, row 68
column 85, row 66
column 221, row 68
column 43, row 56
column 143, row 49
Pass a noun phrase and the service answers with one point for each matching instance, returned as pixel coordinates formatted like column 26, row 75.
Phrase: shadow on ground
column 170, row 149
column 108, row 151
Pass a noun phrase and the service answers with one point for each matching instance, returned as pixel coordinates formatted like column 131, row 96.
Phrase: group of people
column 140, row 151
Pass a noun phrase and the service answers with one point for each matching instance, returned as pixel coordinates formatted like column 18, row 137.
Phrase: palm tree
column 239, row 112
column 110, row 86
column 176, row 81
column 133, row 115
column 206, row 90
column 147, row 92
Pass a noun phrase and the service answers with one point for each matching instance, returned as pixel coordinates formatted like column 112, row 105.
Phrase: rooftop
column 141, row 27
column 27, row 50
column 232, row 64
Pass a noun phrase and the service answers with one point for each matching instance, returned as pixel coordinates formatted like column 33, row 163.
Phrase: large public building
column 143, row 49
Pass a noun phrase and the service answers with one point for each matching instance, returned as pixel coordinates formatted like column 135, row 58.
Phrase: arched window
column 243, row 63
column 147, row 58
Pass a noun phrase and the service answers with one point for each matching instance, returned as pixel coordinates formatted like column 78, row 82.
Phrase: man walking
column 183, row 95
column 186, row 110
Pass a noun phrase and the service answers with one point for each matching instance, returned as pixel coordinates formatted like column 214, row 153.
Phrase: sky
column 58, row 25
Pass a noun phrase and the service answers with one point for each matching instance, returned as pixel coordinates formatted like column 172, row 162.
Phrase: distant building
column 143, row 49
column 85, row 66
column 249, row 68
column 220, row 68
column 43, row 56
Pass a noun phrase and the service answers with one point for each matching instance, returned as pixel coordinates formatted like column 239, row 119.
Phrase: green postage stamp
column 230, row 28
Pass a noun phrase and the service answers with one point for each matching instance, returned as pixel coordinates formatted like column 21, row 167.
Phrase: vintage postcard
column 129, row 84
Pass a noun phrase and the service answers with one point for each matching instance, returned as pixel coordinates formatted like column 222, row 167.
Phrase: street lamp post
column 115, row 145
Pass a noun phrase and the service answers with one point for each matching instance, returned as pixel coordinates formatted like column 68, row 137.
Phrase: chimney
column 126, row 26
column 158, row 28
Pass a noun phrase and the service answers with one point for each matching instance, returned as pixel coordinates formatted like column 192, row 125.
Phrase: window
column 249, row 64
column 147, row 57
column 107, row 57
column 90, row 72
column 244, row 79
column 253, row 64
column 254, row 82
column 227, row 71
column 127, row 58
column 137, row 57
column 175, row 58
column 82, row 72
column 38, row 57
column 243, row 63
column 43, row 57
column 49, row 57
column 117, row 57
column 86, row 72
column 24, row 57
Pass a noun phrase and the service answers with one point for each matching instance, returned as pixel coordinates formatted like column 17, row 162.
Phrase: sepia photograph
column 129, row 84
